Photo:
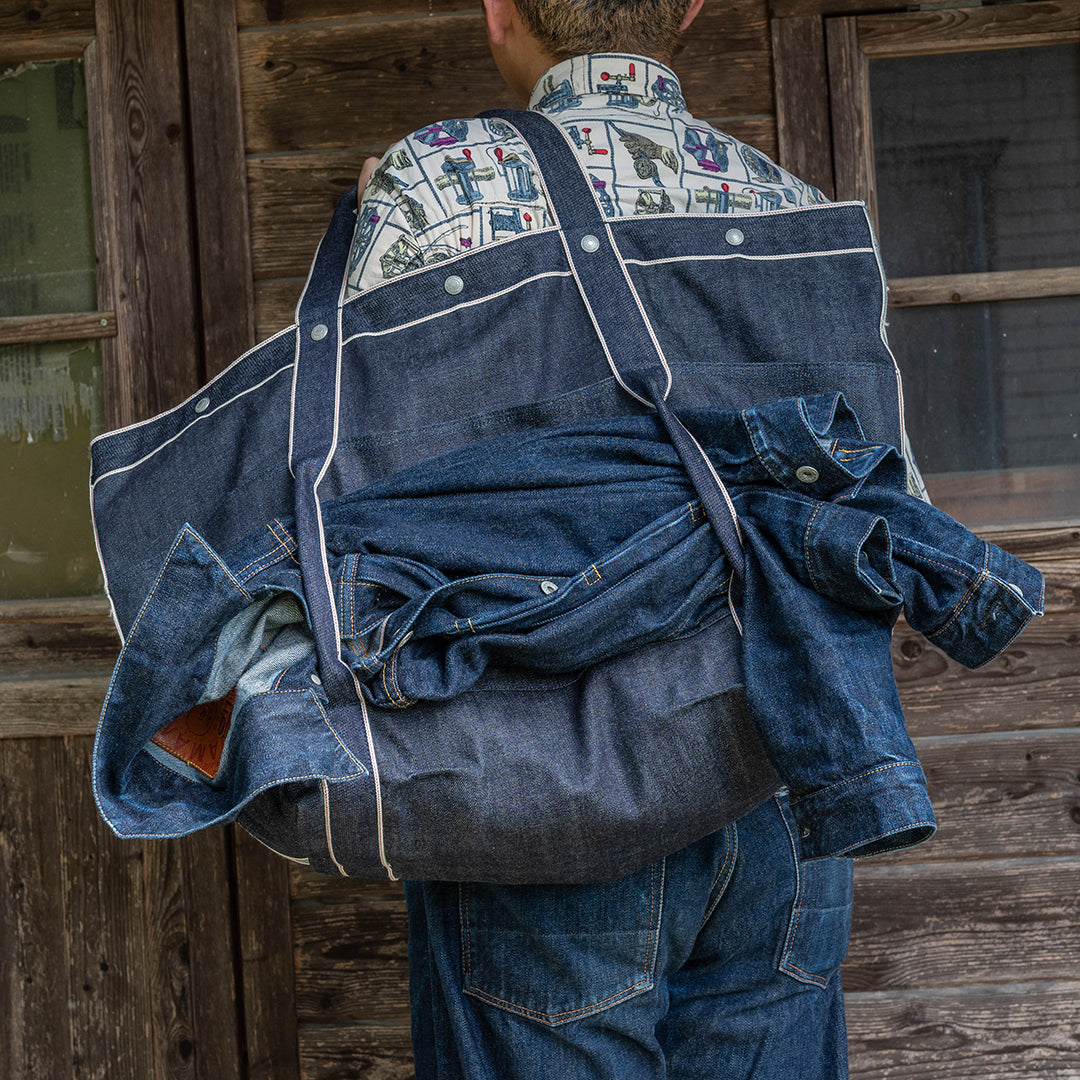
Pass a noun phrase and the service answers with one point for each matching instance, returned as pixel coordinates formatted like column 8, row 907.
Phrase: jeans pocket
column 556, row 953
column 817, row 937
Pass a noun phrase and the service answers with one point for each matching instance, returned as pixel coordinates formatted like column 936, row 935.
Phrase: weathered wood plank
column 45, row 707
column 1000, row 795
column 215, row 1009
column 250, row 13
column 305, row 884
column 168, row 962
column 275, row 304
column 136, row 118
column 1035, row 683
column 849, row 103
column 1027, row 1030
column 36, row 1040
column 374, row 1050
column 1048, row 493
column 292, row 199
column 103, row 896
column 802, row 100
column 15, row 329
column 217, row 157
column 950, row 30
column 266, row 952
column 978, row 288
column 949, row 925
column 55, row 18
column 788, row 9
column 308, row 87
column 39, row 646
column 351, row 959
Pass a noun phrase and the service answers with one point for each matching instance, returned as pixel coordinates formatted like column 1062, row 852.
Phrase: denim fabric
column 542, row 332
column 721, row 961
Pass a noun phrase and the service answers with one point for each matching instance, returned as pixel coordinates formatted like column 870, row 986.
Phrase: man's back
column 455, row 185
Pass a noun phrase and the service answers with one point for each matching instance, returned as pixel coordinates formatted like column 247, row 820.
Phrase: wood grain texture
column 950, row 925
column 206, row 858
column 217, row 157
column 266, row 961
column 802, row 100
column 1034, row 684
column 250, row 13
column 45, row 707
column 944, row 30
column 312, row 87
column 979, row 288
column 350, row 959
column 16, row 329
column 103, row 897
column 374, row 1050
column 45, row 18
column 849, row 103
column 275, row 304
column 1028, row 1031
column 787, row 9
column 142, row 200
column 1015, row 794
column 35, row 1036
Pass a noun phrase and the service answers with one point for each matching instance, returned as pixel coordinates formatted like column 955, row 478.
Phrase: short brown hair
column 569, row 28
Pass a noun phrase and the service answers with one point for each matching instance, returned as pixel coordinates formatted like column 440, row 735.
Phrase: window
column 961, row 130
column 50, row 363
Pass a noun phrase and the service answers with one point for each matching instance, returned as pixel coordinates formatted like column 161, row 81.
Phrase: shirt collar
column 599, row 75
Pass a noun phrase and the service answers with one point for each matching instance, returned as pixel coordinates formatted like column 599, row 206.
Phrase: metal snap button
column 807, row 474
column 453, row 284
column 590, row 243
column 316, row 680
column 735, row 237
column 202, row 405
column 319, row 331
column 548, row 587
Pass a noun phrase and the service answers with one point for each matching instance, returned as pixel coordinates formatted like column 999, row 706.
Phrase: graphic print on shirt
column 457, row 184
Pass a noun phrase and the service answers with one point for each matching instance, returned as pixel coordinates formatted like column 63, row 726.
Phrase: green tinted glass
column 50, row 408
column 50, row 394
column 47, row 262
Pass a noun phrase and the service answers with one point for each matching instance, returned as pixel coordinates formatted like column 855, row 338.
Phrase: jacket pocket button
column 807, row 474
column 734, row 237
column 453, row 284
column 319, row 332
column 590, row 243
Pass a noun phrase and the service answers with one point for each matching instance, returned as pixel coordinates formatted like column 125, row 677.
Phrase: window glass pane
column 50, row 408
column 992, row 405
column 977, row 157
column 47, row 262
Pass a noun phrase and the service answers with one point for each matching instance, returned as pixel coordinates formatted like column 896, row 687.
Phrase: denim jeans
column 719, row 961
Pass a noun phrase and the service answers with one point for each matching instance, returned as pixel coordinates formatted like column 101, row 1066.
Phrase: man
column 721, row 960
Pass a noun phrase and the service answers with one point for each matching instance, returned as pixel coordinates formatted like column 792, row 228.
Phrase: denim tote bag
column 233, row 700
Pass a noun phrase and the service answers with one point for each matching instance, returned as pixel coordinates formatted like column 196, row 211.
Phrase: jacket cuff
column 883, row 809
column 1004, row 598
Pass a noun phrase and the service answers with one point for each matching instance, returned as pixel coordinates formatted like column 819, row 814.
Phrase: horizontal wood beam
column 949, row 30
column 979, row 288
column 983, row 1032
column 20, row 329
column 973, row 921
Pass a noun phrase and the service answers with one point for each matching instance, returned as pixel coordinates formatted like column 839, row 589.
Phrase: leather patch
column 198, row 736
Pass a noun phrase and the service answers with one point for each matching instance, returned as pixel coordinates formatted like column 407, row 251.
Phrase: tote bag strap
column 630, row 344
column 632, row 349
